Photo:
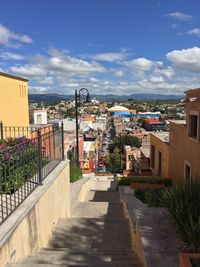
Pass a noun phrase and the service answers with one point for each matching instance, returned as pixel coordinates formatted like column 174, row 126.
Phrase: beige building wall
column 13, row 100
column 161, row 146
column 31, row 226
column 184, row 149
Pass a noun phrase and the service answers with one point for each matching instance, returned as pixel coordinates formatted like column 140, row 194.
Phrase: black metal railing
column 25, row 163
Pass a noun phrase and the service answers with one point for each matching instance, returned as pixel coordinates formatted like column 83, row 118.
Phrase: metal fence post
column 1, row 129
column 39, row 144
column 63, row 147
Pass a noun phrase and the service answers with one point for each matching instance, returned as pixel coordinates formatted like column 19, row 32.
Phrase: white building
column 40, row 116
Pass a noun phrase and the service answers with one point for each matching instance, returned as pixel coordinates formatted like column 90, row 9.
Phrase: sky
column 117, row 47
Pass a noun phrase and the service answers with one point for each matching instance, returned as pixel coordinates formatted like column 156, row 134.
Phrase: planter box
column 147, row 173
column 103, row 174
column 129, row 173
column 147, row 186
column 185, row 259
column 86, row 171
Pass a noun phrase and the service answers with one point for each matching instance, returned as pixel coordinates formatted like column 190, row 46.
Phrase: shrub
column 144, row 179
column 18, row 163
column 183, row 202
column 140, row 194
column 75, row 174
column 153, row 197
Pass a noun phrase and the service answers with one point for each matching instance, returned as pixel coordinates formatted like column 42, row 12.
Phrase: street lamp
column 84, row 96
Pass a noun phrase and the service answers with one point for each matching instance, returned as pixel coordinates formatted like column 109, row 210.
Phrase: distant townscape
column 70, row 168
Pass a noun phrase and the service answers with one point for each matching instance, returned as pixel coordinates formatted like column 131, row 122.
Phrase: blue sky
column 120, row 47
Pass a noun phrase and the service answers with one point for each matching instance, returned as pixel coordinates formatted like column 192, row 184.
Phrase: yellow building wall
column 13, row 101
column 163, row 147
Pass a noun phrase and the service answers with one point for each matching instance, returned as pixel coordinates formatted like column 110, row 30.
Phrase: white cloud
column 140, row 64
column 58, row 66
column 8, row 38
column 29, row 70
column 70, row 64
column 165, row 71
column 38, row 89
column 92, row 79
column 179, row 16
column 110, row 57
column 47, row 80
column 60, row 72
column 140, row 67
column 119, row 73
column 11, row 56
column 186, row 59
column 156, row 79
column 195, row 31
column 143, row 64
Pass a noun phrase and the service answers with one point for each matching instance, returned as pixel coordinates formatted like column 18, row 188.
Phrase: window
column 152, row 156
column 159, row 163
column 22, row 90
column 193, row 126
column 187, row 170
column 39, row 119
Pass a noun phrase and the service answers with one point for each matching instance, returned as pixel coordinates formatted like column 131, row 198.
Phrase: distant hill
column 107, row 98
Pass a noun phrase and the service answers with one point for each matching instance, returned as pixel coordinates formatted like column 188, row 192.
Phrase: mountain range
column 103, row 98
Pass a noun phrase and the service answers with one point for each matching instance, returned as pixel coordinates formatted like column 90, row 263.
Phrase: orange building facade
column 184, row 139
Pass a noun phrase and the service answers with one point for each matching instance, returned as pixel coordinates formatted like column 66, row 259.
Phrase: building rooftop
column 180, row 122
column 163, row 136
column 13, row 77
column 155, row 122
column 193, row 92
column 118, row 108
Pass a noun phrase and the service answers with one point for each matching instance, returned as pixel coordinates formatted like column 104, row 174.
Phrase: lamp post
column 84, row 96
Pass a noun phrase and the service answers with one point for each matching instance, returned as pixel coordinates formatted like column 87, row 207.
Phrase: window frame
column 187, row 164
column 153, row 156
column 193, row 113
column 160, row 163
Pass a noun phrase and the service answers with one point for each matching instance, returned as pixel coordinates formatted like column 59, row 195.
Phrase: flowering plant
column 18, row 162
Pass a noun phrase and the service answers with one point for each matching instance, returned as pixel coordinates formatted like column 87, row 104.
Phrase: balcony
column 27, row 156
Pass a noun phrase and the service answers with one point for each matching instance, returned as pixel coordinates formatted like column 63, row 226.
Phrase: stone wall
column 154, row 234
column 30, row 227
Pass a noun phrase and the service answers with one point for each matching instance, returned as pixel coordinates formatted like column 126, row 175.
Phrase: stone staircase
column 97, row 235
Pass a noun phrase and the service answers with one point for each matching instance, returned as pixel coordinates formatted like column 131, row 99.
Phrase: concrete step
column 103, row 196
column 62, row 257
column 93, row 264
column 103, row 184
column 110, row 255
column 90, row 233
column 96, row 209
column 94, row 251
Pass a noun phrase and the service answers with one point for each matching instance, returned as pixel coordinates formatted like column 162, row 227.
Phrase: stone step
column 94, row 251
column 103, row 184
column 90, row 233
column 96, row 209
column 94, row 264
column 102, row 196
column 62, row 257
column 109, row 254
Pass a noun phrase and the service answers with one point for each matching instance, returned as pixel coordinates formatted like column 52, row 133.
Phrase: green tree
column 126, row 140
column 141, row 120
column 139, row 109
column 113, row 162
